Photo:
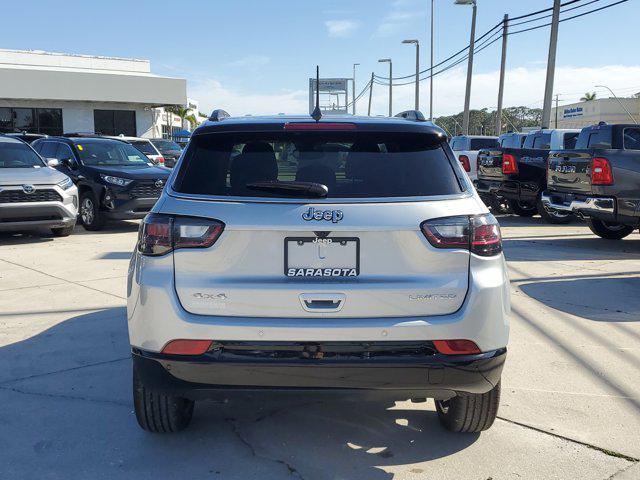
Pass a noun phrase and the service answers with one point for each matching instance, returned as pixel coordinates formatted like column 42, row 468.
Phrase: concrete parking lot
column 571, row 387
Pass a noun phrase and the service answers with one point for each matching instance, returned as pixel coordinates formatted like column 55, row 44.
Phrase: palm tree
column 588, row 97
column 182, row 112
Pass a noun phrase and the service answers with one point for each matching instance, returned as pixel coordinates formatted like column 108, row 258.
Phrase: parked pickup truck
column 519, row 174
column 599, row 180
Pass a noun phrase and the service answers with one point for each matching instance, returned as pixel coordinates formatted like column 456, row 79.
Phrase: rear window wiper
column 307, row 189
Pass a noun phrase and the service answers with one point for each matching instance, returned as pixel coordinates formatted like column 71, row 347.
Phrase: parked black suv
column 115, row 180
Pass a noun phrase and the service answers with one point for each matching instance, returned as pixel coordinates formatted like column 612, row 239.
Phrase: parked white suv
column 346, row 256
column 466, row 148
column 32, row 194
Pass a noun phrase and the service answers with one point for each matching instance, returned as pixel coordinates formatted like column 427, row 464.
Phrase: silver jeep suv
column 349, row 256
column 33, row 195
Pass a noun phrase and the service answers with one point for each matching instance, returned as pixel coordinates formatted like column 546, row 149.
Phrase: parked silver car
column 32, row 194
column 345, row 256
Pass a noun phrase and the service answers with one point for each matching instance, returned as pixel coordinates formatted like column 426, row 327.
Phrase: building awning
column 36, row 83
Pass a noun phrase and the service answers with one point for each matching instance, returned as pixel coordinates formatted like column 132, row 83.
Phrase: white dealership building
column 610, row 110
column 57, row 93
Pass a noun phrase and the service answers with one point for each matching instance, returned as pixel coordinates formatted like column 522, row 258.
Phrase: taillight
column 186, row 347
column 456, row 347
column 509, row 164
column 160, row 160
column 464, row 160
column 480, row 234
column 601, row 173
column 160, row 234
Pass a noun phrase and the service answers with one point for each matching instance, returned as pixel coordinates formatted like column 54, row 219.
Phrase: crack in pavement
column 610, row 453
column 254, row 453
column 621, row 471
column 66, row 397
column 62, row 279
column 38, row 375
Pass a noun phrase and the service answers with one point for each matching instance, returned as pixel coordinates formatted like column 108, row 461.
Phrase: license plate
column 321, row 257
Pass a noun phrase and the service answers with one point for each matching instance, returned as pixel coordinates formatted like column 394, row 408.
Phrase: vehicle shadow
column 601, row 299
column 25, row 237
column 568, row 248
column 67, row 413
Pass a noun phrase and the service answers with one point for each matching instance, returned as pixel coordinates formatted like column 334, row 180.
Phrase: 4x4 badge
column 329, row 215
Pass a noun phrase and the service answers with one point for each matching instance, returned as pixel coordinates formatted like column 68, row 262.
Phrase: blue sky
column 255, row 56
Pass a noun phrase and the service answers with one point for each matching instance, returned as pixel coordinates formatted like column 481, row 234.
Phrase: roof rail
column 413, row 115
column 81, row 134
column 218, row 115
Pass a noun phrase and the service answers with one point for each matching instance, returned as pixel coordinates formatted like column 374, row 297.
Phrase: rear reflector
column 160, row 234
column 186, row 347
column 319, row 126
column 509, row 164
column 480, row 234
column 601, row 173
column 464, row 160
column 456, row 347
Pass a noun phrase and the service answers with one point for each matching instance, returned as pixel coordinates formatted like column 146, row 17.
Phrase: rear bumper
column 510, row 189
column 585, row 206
column 433, row 376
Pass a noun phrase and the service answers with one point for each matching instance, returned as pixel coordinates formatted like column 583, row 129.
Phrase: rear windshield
column 18, row 155
column 480, row 143
column 570, row 139
column 349, row 164
column 145, row 147
column 512, row 141
column 538, row 140
column 166, row 146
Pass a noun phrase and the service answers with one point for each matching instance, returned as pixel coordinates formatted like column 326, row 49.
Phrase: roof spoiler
column 218, row 115
column 413, row 115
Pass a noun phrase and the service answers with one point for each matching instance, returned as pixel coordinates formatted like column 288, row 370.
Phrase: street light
column 621, row 104
column 417, row 44
column 431, row 71
column 388, row 60
column 353, row 107
column 467, row 94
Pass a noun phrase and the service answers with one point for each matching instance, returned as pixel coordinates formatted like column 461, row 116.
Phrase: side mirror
column 69, row 163
column 53, row 162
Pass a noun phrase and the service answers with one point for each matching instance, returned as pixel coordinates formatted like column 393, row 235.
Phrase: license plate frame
column 287, row 269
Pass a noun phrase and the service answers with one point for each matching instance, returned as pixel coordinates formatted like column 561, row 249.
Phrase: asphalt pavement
column 571, row 391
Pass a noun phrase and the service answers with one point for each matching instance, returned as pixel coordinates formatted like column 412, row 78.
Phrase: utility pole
column 370, row 94
column 388, row 60
column 431, row 71
column 551, row 65
column 467, row 95
column 353, row 108
column 503, row 62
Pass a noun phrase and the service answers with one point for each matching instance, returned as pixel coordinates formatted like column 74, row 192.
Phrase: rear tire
column 609, row 230
column 499, row 205
column 469, row 413
column 160, row 413
column 91, row 217
column 522, row 209
column 554, row 217
column 63, row 231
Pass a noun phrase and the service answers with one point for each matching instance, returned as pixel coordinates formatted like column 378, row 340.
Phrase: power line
column 548, row 16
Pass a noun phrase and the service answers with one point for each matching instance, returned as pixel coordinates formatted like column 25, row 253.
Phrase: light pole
column 551, row 65
column 431, row 71
column 388, row 60
column 621, row 104
column 467, row 94
column 417, row 44
column 353, row 108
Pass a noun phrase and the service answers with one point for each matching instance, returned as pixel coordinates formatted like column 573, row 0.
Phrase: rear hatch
column 569, row 171
column 358, row 252
column 490, row 164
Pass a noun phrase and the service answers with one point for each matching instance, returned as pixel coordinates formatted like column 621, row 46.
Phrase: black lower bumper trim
column 431, row 376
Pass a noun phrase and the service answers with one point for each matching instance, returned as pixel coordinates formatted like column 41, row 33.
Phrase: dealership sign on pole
column 333, row 95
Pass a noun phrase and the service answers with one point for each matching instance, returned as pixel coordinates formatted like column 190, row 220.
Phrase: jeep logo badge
column 329, row 215
column 28, row 189
column 159, row 183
